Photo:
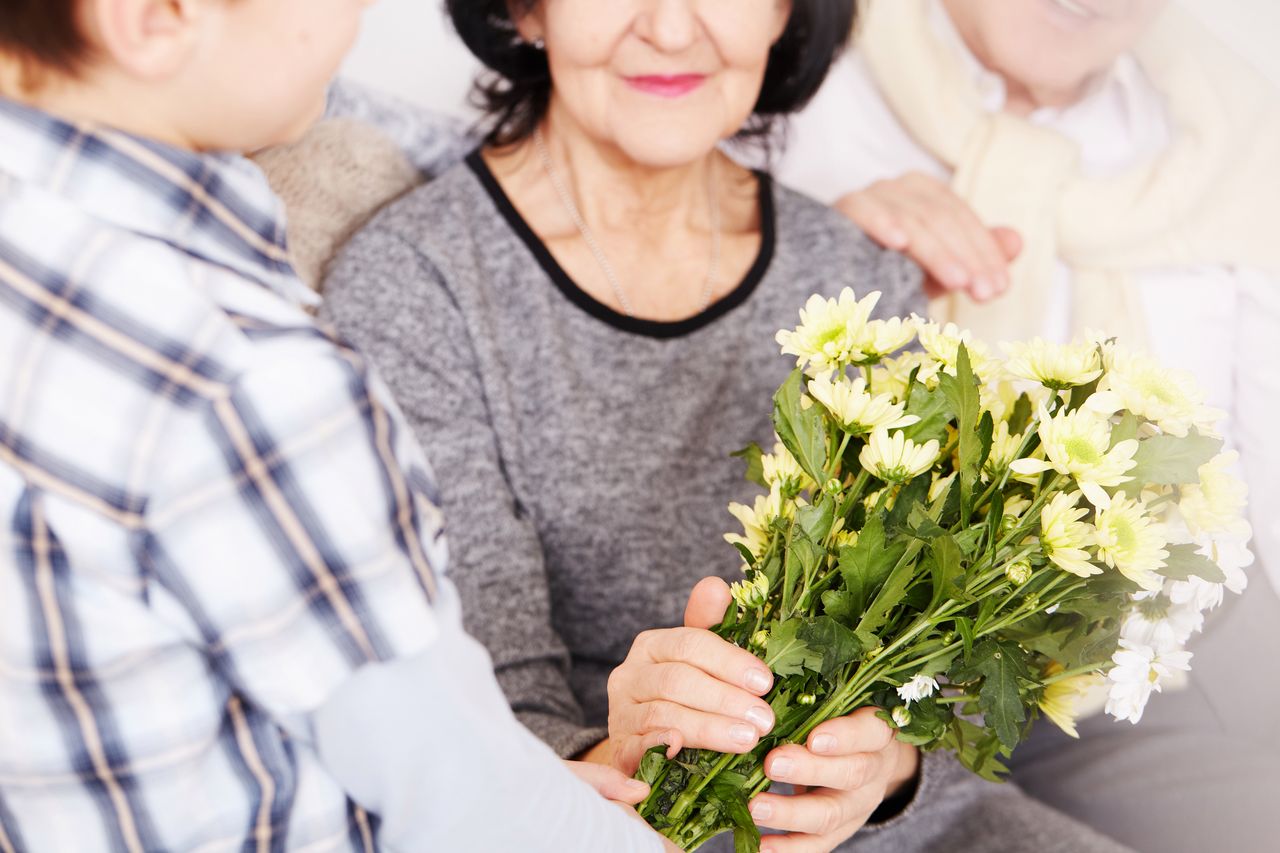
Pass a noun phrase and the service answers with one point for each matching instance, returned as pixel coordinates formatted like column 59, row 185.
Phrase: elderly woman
column 579, row 323
column 1136, row 161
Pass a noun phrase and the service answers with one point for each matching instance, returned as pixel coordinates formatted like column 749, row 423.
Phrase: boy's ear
column 149, row 39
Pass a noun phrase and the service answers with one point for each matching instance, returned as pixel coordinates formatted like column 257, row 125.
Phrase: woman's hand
column 611, row 784
column 686, row 687
column 921, row 217
column 846, row 768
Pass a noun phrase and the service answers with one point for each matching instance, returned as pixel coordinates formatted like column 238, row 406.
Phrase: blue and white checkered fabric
column 211, row 514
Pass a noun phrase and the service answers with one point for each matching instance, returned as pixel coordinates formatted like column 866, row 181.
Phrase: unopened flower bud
column 948, row 638
column 760, row 639
column 901, row 716
column 1007, row 524
column 1019, row 572
column 832, row 487
column 806, row 698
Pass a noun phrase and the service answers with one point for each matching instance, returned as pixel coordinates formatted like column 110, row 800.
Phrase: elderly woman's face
column 1052, row 45
column 663, row 80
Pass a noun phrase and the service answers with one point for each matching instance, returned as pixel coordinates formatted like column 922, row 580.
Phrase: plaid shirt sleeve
column 292, row 519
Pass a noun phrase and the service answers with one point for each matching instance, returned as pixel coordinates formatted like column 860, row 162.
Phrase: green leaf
column 803, row 431
column 733, row 801
column 1021, row 415
column 836, row 643
column 815, row 520
column 932, row 408
column 747, row 556
column 1185, row 561
column 946, row 568
column 842, row 606
column 986, row 435
column 1000, row 664
column 651, row 765
column 820, row 645
column 752, row 454
column 786, row 653
column 891, row 594
column 912, row 495
column 802, row 559
column 995, row 513
column 962, row 394
column 1167, row 460
column 866, row 565
column 1125, row 430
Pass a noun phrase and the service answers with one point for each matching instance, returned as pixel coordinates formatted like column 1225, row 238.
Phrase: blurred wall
column 407, row 47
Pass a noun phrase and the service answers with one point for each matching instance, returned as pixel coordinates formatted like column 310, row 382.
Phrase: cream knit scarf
column 1210, row 198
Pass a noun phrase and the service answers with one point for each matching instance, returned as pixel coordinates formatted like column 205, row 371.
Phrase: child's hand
column 921, row 217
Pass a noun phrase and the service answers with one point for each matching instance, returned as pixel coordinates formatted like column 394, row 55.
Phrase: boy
column 222, row 623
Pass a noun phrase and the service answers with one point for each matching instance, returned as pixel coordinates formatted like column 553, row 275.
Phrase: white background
column 408, row 49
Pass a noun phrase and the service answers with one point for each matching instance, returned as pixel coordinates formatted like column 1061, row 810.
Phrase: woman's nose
column 669, row 25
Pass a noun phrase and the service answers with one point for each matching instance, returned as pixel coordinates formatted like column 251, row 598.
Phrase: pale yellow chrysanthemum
column 756, row 520
column 1055, row 366
column 1016, row 505
column 999, row 398
column 830, row 332
column 1064, row 537
column 782, row 469
column 1078, row 444
column 1004, row 448
column 1171, row 399
column 1216, row 503
column 1131, row 542
column 1061, row 698
column 854, row 409
column 752, row 592
column 896, row 458
column 881, row 338
column 943, row 343
column 892, row 374
column 939, row 485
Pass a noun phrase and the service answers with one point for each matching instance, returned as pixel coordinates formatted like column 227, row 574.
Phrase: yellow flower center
column 1080, row 449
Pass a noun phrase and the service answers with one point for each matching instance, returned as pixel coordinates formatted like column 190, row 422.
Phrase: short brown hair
column 43, row 34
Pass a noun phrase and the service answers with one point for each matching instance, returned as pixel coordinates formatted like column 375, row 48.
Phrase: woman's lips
column 666, row 85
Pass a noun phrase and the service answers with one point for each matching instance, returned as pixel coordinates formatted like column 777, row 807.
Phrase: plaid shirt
column 210, row 513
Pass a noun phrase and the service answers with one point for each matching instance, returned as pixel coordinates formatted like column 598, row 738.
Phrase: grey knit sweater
column 583, row 456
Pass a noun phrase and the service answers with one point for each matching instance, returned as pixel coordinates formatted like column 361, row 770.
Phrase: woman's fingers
column 716, row 657
column 877, row 217
column 822, row 812
column 799, row 766
column 707, row 603
column 697, row 729
column 609, row 782
column 859, row 732
column 686, row 685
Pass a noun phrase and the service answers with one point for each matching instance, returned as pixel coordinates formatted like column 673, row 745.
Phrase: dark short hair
column 43, row 33
column 516, row 89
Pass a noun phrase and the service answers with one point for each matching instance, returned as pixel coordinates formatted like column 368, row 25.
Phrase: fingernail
column 637, row 786
column 761, row 718
column 758, row 681
column 780, row 768
column 983, row 287
column 898, row 239
column 761, row 810
column 824, row 744
column 745, row 735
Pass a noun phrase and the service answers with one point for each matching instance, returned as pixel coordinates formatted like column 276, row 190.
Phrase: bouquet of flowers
column 965, row 542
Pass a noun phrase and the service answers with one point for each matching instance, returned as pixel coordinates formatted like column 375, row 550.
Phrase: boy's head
column 229, row 75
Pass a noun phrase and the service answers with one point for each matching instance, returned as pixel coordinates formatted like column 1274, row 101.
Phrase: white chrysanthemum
column 943, row 343
column 1004, row 449
column 1016, row 506
column 756, row 520
column 1061, row 699
column 830, row 332
column 1171, row 399
column 782, row 469
column 1160, row 622
column 896, row 458
column 1216, row 503
column 881, row 338
column 920, row 687
column 1064, row 537
column 1055, row 366
column 752, row 592
column 1078, row 444
column 892, row 374
column 854, row 409
column 1140, row 669
column 1131, row 542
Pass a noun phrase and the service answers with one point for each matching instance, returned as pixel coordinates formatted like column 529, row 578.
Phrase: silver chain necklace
column 713, row 271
